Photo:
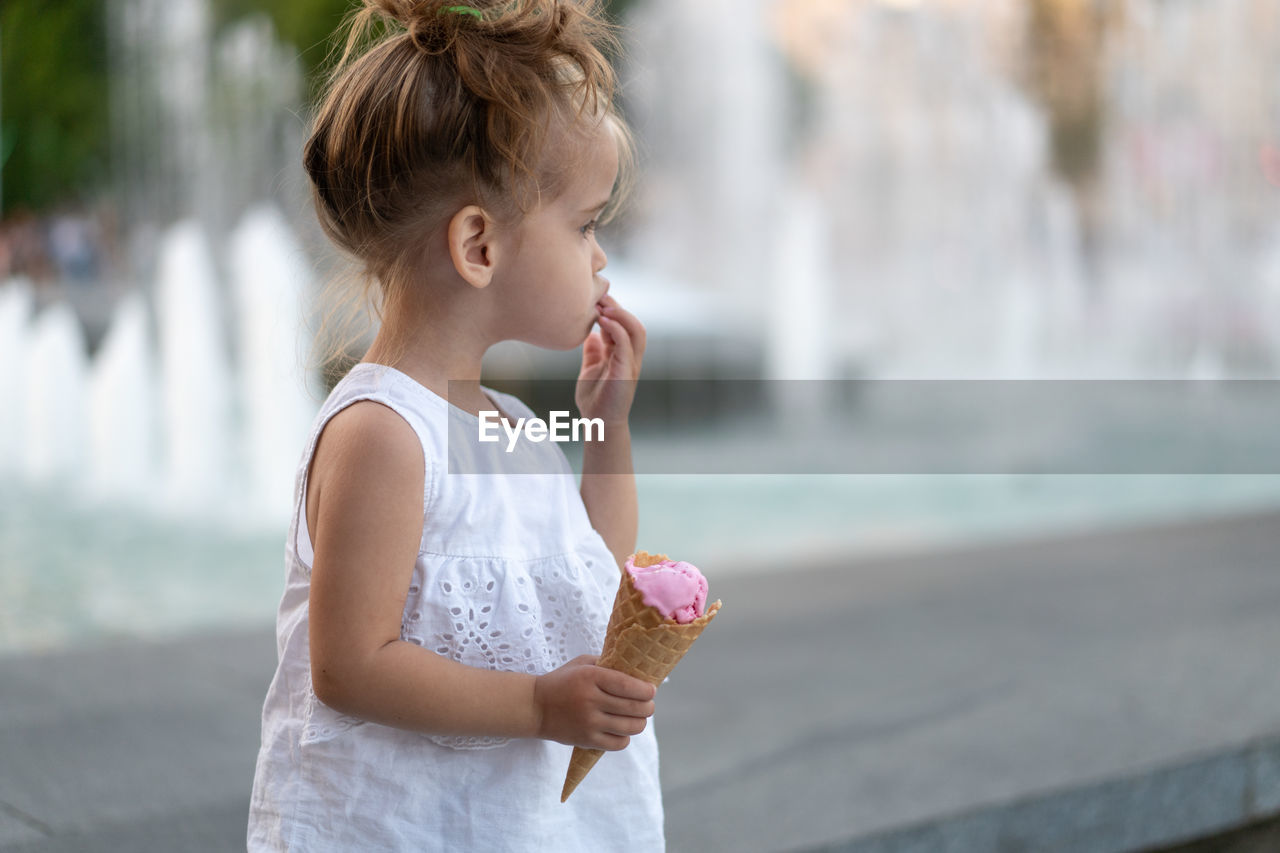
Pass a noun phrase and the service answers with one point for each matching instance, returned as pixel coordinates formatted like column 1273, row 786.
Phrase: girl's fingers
column 623, row 686
column 593, row 348
column 618, row 333
column 607, row 330
column 623, row 726
column 627, row 707
column 610, row 742
column 635, row 329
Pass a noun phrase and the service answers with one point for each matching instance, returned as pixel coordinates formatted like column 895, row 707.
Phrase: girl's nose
column 601, row 260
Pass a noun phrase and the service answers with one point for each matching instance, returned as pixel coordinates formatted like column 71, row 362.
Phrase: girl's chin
column 583, row 334
column 570, row 341
column 564, row 344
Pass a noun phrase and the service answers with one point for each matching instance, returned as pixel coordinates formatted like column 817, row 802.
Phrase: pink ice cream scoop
column 677, row 589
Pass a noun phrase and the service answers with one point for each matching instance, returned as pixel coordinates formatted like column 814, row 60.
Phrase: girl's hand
column 582, row 704
column 612, row 352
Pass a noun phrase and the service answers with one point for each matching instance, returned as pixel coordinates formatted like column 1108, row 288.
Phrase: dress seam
column 503, row 558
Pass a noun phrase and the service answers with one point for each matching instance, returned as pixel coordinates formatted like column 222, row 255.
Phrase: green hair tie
column 465, row 10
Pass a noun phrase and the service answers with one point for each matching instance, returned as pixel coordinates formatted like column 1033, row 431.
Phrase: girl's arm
column 610, row 498
column 367, row 484
column 608, row 476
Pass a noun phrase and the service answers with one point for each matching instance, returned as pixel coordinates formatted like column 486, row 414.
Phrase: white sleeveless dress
column 510, row 575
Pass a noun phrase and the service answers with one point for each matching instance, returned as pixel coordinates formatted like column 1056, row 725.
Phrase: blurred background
column 829, row 189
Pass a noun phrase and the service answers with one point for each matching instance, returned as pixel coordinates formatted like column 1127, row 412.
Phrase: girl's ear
column 472, row 245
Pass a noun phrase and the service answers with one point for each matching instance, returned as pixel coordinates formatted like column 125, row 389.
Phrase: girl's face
column 551, row 282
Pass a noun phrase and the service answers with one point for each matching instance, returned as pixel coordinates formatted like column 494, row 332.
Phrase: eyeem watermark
column 560, row 428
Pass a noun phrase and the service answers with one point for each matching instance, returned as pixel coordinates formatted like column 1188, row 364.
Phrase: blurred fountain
column 963, row 246
column 1205, row 364
column 708, row 91
column 952, row 246
column 160, row 107
column 271, row 284
column 195, row 373
column 798, row 345
column 1021, row 331
column 1187, row 208
column 1269, row 271
column 166, row 423
column 205, row 119
column 55, row 364
column 16, row 301
column 798, row 349
column 948, row 211
column 123, row 461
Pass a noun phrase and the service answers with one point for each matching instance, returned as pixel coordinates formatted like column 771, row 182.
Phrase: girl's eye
column 588, row 229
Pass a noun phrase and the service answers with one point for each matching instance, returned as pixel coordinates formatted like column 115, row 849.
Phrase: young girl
column 437, row 630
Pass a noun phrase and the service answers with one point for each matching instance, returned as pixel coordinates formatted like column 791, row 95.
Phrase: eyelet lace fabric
column 322, row 723
column 518, row 616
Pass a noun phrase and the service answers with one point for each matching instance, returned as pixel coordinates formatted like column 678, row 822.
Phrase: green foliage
column 54, row 107
column 53, row 101
column 309, row 25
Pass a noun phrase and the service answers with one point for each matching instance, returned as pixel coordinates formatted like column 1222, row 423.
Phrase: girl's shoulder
column 368, row 428
column 377, row 383
column 373, row 415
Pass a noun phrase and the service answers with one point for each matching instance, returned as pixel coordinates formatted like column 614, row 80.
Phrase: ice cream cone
column 640, row 642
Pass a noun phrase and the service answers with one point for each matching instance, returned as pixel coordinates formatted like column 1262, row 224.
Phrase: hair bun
column 400, row 11
column 446, row 99
column 433, row 25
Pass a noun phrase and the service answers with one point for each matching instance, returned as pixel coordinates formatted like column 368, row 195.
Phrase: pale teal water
column 748, row 521
column 72, row 573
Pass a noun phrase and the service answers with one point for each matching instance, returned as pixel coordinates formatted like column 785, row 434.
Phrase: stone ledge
column 1167, row 805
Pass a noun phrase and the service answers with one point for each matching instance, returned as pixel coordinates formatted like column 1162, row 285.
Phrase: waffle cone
column 641, row 643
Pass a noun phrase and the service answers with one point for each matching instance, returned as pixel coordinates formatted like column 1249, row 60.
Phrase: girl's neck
column 442, row 353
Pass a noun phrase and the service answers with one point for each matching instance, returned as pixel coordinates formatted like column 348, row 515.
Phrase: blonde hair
column 433, row 106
